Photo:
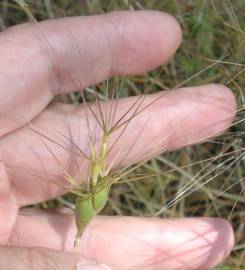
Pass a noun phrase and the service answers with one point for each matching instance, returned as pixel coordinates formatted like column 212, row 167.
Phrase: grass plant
column 202, row 180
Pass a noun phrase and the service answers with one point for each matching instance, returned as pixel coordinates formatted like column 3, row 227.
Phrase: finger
column 8, row 205
column 132, row 243
column 181, row 117
column 12, row 258
column 73, row 53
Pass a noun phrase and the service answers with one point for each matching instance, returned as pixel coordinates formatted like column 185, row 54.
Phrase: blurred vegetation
column 211, row 30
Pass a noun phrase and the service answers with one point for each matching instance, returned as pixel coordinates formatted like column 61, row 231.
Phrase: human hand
column 35, row 63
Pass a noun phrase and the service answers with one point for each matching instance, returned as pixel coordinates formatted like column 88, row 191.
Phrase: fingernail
column 105, row 267
column 89, row 267
column 82, row 266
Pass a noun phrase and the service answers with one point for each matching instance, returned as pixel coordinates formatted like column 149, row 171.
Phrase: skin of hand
column 35, row 61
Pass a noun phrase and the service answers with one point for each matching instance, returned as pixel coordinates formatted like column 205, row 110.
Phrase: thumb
column 12, row 258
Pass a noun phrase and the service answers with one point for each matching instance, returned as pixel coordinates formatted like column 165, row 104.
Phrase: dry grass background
column 211, row 30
